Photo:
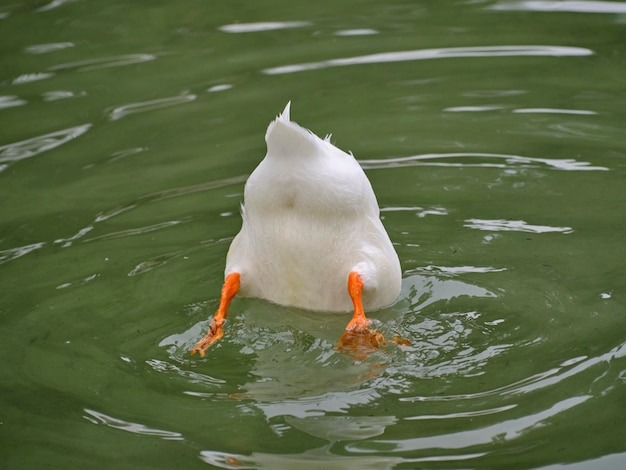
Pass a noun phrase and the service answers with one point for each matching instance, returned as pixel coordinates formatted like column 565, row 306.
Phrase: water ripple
column 105, row 62
column 337, row 428
column 143, row 106
column 169, row 193
column 191, row 377
column 456, row 270
column 126, row 153
column 149, row 264
column 14, row 253
column 262, row 26
column 473, row 109
column 49, row 47
column 575, row 6
column 60, row 95
column 9, row 101
column 69, row 240
column 152, row 263
column 30, row 147
column 31, row 77
column 356, row 32
column 136, row 231
column 495, row 160
column 320, row 458
column 79, row 282
column 97, row 417
column 503, row 431
column 534, row 382
column 478, row 109
column 441, row 289
column 175, row 192
column 53, row 4
column 501, row 225
column 221, row 87
column 553, row 111
column 419, row 211
column 441, row 53
column 463, row 414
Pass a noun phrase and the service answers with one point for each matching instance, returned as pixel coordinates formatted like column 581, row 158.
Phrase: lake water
column 493, row 135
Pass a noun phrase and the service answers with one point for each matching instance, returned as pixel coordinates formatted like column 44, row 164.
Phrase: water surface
column 492, row 133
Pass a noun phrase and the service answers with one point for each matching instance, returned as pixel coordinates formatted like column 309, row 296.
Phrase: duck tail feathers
column 286, row 138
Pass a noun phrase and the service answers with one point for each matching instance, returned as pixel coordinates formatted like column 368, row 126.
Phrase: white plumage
column 311, row 238
column 310, row 217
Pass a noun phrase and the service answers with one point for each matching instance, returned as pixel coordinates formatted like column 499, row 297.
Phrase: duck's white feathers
column 310, row 217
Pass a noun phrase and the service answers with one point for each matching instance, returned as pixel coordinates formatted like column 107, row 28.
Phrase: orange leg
column 358, row 339
column 355, row 288
column 215, row 333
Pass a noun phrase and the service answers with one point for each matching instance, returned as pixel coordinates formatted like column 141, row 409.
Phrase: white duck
column 310, row 227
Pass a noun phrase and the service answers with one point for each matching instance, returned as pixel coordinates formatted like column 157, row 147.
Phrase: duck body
column 311, row 237
column 310, row 217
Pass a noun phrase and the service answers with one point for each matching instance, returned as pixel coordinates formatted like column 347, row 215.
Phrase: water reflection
column 567, row 369
column 168, row 368
column 553, row 111
column 478, row 109
column 104, row 62
column 97, row 417
column 14, row 253
column 49, row 47
column 136, row 231
column 93, row 380
column 9, row 101
column 322, row 457
column 606, row 462
column 473, row 109
column 500, row 225
column 457, row 270
column 143, row 106
column 427, row 54
column 60, row 95
column 420, row 212
column 145, row 199
column 31, row 77
column 311, row 459
column 30, row 147
column 221, row 87
column 493, row 160
column 297, row 372
column 340, row 428
column 356, row 32
column 79, row 282
column 462, row 414
column 576, row 6
column 262, row 26
column 52, row 5
column 503, row 431
column 294, row 372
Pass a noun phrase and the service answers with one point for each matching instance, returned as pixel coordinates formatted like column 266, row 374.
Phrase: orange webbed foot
column 360, row 343
column 215, row 334
column 359, row 340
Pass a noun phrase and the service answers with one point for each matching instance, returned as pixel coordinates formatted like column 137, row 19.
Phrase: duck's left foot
column 215, row 334
column 360, row 342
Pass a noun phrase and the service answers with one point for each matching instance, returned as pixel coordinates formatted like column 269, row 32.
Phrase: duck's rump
column 305, row 262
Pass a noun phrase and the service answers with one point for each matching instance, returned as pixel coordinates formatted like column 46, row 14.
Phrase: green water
column 493, row 135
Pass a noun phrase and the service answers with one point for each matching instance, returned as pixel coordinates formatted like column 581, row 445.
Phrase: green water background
column 493, row 135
